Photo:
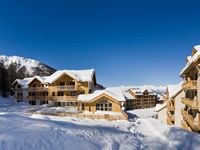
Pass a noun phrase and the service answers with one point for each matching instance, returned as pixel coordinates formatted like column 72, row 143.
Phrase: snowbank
column 21, row 131
column 143, row 113
column 57, row 110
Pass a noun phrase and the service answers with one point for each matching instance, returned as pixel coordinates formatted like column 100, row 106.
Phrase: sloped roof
column 114, row 92
column 23, row 82
column 127, row 94
column 191, row 59
column 41, row 79
column 80, row 75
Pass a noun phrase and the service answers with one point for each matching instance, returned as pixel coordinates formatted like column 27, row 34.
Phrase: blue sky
column 128, row 42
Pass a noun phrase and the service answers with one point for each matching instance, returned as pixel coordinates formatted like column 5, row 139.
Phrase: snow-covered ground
column 20, row 130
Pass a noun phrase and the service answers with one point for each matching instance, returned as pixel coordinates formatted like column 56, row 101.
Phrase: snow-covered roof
column 127, row 94
column 174, row 89
column 23, row 82
column 159, row 107
column 80, row 75
column 191, row 59
column 160, row 97
column 41, row 79
column 114, row 92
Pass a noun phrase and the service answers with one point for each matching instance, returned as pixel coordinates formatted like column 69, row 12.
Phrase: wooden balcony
column 63, row 98
column 53, row 98
column 45, row 98
column 37, row 89
column 190, row 85
column 193, row 104
column 170, row 106
column 170, row 116
column 184, row 113
column 65, row 88
column 169, row 121
column 185, row 125
column 194, row 125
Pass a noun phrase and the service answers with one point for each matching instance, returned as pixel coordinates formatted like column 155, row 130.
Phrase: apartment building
column 191, row 100
column 139, row 99
column 69, row 88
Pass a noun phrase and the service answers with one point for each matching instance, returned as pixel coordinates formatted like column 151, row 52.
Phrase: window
column 59, row 104
column 62, row 83
column 18, row 86
column 32, row 102
column 73, row 93
column 60, row 93
column 71, row 83
column 104, row 106
column 43, row 102
column 19, row 94
column 53, row 93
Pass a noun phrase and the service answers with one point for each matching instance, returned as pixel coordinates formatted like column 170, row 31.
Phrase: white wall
column 162, row 115
column 178, row 107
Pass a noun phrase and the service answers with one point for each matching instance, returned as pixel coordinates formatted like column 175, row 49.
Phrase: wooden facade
column 141, row 100
column 191, row 100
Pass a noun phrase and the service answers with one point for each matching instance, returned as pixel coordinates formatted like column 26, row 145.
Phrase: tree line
column 8, row 76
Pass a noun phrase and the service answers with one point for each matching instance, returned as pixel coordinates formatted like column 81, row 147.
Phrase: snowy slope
column 30, row 66
column 21, row 131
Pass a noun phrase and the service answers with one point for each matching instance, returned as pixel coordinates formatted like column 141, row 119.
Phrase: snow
column 20, row 130
column 151, row 88
column 191, row 59
column 80, row 75
column 56, row 110
column 160, row 91
column 159, row 107
column 102, row 112
column 126, row 92
column 174, row 89
column 114, row 92
column 143, row 113
column 21, row 62
column 41, row 79
column 23, row 82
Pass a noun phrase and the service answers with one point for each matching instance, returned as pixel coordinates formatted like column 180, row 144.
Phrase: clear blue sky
column 128, row 42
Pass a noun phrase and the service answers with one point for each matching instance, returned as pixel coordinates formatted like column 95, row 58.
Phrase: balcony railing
column 52, row 98
column 193, row 104
column 66, row 88
column 185, row 125
column 192, row 84
column 62, row 98
column 171, row 116
column 194, row 125
column 169, row 121
column 37, row 98
column 184, row 112
column 170, row 106
column 38, row 89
